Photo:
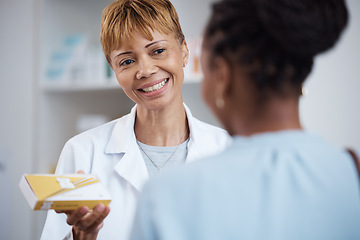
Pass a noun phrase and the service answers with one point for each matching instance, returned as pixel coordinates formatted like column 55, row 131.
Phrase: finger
column 99, row 222
column 93, row 219
column 95, row 229
column 80, row 172
column 75, row 216
column 67, row 212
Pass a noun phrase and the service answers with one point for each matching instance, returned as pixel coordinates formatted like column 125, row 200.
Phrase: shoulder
column 99, row 136
column 80, row 151
column 82, row 147
column 246, row 163
column 206, row 127
column 200, row 127
column 95, row 135
column 202, row 132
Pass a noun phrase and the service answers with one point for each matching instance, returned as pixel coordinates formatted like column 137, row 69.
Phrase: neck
column 163, row 127
column 276, row 115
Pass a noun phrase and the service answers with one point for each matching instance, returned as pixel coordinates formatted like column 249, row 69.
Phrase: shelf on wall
column 88, row 87
column 70, row 87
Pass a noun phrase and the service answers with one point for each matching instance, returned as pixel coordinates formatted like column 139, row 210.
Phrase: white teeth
column 155, row 87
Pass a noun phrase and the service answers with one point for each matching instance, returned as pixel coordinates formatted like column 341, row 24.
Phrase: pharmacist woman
column 144, row 44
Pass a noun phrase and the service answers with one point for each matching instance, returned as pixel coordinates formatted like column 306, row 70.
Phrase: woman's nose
column 146, row 68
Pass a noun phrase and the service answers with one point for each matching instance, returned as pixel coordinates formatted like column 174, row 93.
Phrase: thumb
column 80, row 172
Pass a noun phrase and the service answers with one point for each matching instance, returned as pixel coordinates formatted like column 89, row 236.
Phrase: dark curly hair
column 281, row 37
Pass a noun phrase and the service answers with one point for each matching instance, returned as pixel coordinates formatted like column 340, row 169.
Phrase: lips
column 155, row 87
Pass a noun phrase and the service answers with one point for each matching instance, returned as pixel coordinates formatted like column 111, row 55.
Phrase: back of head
column 281, row 37
column 122, row 18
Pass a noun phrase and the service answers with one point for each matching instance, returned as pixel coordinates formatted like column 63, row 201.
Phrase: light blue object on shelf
column 66, row 62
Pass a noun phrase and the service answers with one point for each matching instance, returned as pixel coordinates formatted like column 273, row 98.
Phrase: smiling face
column 151, row 71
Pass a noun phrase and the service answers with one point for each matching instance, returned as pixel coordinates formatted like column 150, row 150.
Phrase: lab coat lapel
column 131, row 167
column 203, row 141
column 193, row 146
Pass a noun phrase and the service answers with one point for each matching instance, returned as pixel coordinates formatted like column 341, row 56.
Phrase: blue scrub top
column 281, row 185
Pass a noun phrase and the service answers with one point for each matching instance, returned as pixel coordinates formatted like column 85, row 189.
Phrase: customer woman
column 144, row 44
column 276, row 181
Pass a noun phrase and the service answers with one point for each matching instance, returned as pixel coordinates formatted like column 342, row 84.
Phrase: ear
column 185, row 53
column 222, row 78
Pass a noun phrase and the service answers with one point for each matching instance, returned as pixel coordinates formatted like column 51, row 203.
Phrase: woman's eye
column 126, row 62
column 159, row 51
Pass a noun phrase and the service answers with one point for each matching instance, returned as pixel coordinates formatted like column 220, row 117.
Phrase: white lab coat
column 112, row 153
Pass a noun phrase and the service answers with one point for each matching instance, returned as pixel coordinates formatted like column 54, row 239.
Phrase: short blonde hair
column 122, row 18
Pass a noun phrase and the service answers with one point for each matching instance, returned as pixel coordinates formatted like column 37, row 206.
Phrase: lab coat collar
column 195, row 137
column 122, row 134
column 132, row 167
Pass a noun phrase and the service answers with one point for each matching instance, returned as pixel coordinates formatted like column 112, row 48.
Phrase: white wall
column 16, row 114
column 332, row 106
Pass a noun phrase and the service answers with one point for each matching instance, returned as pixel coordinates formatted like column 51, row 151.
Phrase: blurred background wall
column 39, row 110
column 17, row 135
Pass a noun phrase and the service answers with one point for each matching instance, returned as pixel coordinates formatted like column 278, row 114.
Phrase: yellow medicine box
column 63, row 192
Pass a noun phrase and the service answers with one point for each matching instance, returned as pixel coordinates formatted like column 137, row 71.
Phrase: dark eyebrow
column 124, row 53
column 150, row 44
